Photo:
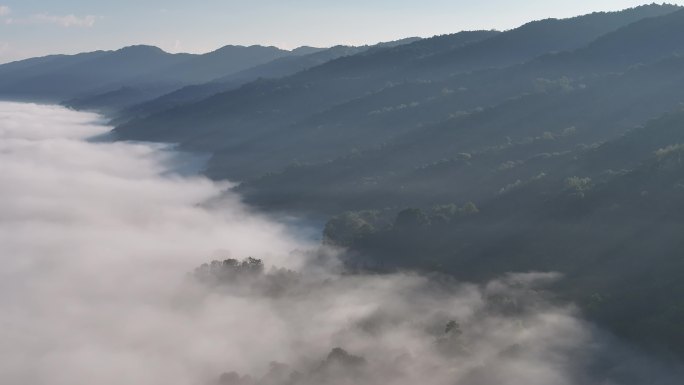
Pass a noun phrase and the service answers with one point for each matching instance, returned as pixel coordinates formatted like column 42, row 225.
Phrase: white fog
column 98, row 242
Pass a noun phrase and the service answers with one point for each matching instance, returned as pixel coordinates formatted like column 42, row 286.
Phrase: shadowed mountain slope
column 145, row 69
column 281, row 67
column 257, row 110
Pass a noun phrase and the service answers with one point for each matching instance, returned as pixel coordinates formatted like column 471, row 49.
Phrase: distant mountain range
column 128, row 71
column 288, row 65
column 557, row 146
column 133, row 77
column 365, row 100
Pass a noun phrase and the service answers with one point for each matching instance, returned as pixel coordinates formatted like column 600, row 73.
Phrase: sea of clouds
column 99, row 241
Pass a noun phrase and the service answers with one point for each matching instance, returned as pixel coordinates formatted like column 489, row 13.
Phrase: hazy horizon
column 39, row 28
column 503, row 205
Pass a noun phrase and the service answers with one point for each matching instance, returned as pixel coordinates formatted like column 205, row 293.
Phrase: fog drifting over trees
column 99, row 241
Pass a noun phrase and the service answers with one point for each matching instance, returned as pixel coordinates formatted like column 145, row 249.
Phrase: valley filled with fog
column 102, row 281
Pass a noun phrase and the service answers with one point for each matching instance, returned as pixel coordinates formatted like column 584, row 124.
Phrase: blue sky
column 38, row 27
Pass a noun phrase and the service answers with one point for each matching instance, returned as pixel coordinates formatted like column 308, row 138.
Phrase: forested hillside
column 274, row 69
column 112, row 80
column 555, row 146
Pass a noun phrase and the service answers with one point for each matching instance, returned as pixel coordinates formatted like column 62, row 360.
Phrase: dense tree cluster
column 339, row 367
column 352, row 227
column 249, row 277
column 229, row 269
column 566, row 134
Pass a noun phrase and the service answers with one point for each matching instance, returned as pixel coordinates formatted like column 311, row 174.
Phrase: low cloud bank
column 99, row 241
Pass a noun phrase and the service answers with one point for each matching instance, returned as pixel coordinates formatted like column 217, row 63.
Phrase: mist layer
column 99, row 243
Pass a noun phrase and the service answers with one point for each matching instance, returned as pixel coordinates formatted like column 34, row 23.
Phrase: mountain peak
column 306, row 50
column 141, row 49
column 254, row 47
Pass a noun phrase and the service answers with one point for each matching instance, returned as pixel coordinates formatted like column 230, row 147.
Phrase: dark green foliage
column 250, row 120
column 542, row 37
column 411, row 220
column 344, row 229
column 567, row 135
column 561, row 154
column 616, row 235
column 230, row 269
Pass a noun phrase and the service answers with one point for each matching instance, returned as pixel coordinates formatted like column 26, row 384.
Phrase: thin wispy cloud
column 65, row 21
column 5, row 10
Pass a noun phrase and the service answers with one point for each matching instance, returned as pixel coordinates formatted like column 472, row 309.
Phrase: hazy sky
column 38, row 27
